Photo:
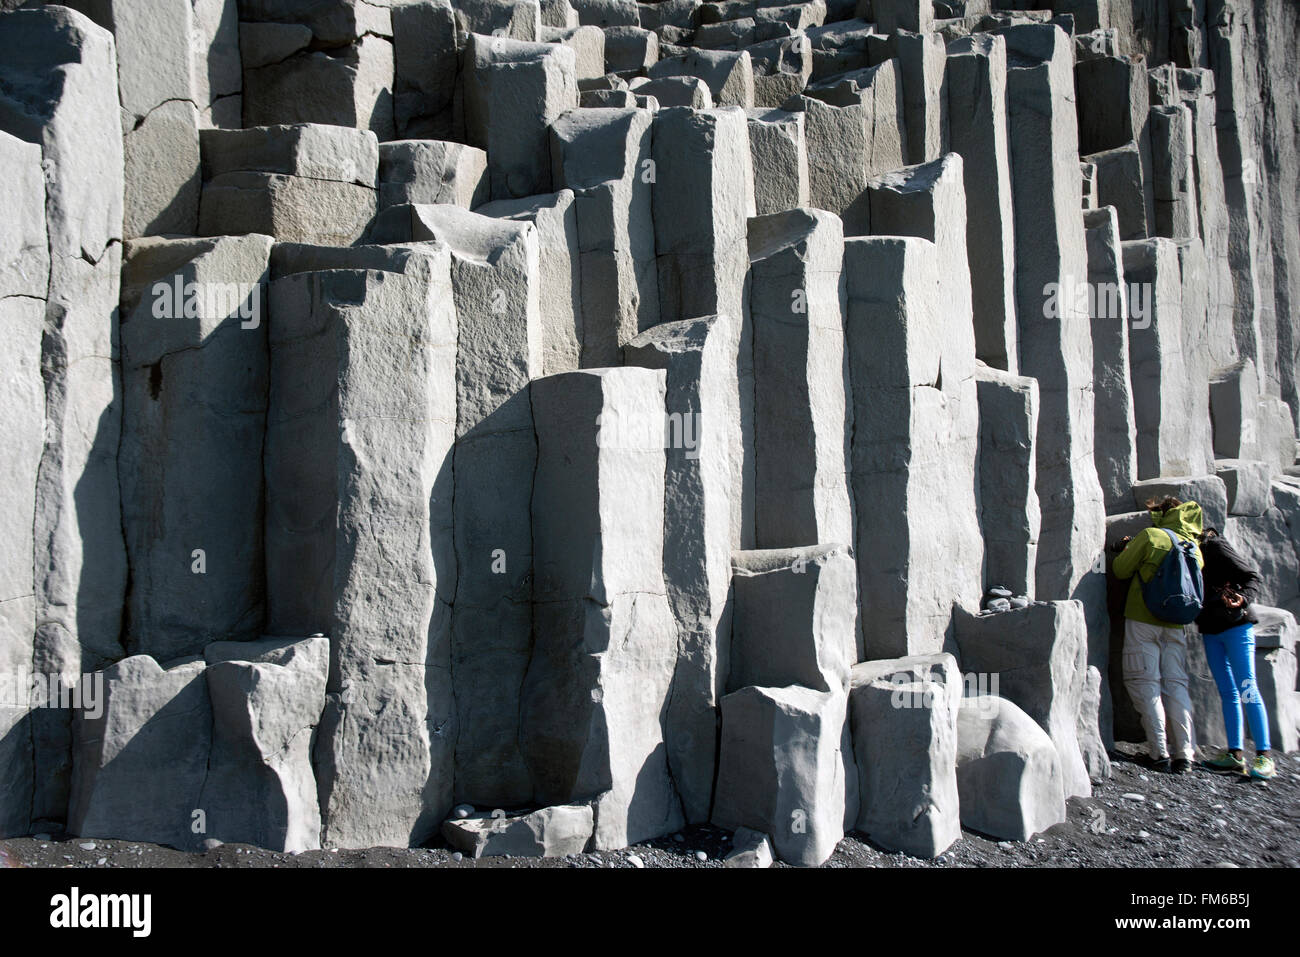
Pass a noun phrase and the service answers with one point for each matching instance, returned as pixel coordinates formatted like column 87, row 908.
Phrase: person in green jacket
column 1155, row 651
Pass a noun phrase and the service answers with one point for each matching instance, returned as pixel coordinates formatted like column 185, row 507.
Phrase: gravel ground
column 1137, row 818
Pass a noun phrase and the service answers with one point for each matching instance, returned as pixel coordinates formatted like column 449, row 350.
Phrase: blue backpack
column 1175, row 592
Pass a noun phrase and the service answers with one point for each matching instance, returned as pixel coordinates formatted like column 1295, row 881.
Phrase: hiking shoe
column 1157, row 764
column 1179, row 766
column 1224, row 761
column 1263, row 769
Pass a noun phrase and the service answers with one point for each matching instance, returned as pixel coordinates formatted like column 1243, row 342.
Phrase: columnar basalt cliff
column 621, row 415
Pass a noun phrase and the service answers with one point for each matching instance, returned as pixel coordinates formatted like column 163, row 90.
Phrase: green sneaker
column 1224, row 761
column 1263, row 769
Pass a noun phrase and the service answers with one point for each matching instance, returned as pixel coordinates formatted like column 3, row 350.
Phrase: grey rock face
column 904, row 715
column 600, row 677
column 1173, row 170
column 331, row 63
column 1268, row 542
column 183, row 753
column 1120, row 184
column 1165, row 396
column 894, row 15
column 195, row 385
column 58, row 77
column 629, row 49
column 152, row 717
column 604, row 156
column 1246, row 424
column 699, row 359
column 266, row 699
column 514, row 19
column 729, row 74
column 782, row 67
column 496, row 280
column 1008, row 772
column 306, row 184
column 1112, row 105
column 606, row 13
column 550, row 832
column 1094, row 724
column 975, row 77
column 915, row 425
column 559, row 282
column 749, row 848
column 795, row 612
column 702, row 197
column 676, row 91
column 432, row 171
column 779, row 153
column 24, row 282
column 802, row 424
column 425, row 68
column 1008, row 500
column 347, row 350
column 1040, row 655
column 608, row 416
column 513, row 92
column 163, row 68
column 921, row 69
column 1055, row 348
column 588, row 46
column 1115, row 433
column 1247, row 485
column 855, row 129
column 780, row 770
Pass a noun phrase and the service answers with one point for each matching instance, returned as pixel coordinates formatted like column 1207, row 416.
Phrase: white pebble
column 1133, row 796
column 89, row 846
column 701, row 856
column 102, row 861
column 635, row 861
column 458, row 856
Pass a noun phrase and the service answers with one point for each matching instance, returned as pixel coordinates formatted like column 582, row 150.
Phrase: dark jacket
column 1224, row 566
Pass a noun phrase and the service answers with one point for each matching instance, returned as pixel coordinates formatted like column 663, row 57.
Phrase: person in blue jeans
column 1226, row 623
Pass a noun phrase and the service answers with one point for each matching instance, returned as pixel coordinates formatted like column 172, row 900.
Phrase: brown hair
column 1162, row 504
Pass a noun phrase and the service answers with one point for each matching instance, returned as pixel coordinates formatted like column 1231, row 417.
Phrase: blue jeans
column 1231, row 657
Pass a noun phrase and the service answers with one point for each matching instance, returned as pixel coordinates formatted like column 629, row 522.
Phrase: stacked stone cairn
column 556, row 423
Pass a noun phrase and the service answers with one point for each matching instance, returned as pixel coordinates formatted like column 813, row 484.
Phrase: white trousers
column 1155, row 674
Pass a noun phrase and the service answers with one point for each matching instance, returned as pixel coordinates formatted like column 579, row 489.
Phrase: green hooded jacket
column 1143, row 555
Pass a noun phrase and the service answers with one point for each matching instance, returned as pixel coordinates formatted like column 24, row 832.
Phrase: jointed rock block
column 699, row 360
column 781, row 771
column 904, row 716
column 360, row 425
column 598, row 683
column 802, row 423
